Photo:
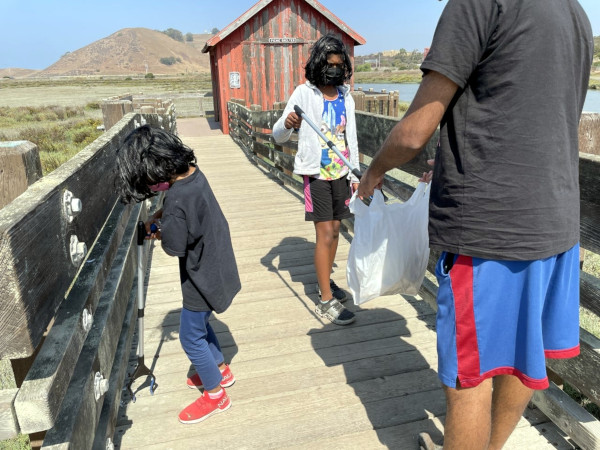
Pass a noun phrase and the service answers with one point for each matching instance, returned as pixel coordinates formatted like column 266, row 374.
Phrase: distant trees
column 214, row 30
column 189, row 37
column 398, row 59
column 174, row 34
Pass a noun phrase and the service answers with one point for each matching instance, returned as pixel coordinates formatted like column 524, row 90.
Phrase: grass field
column 81, row 91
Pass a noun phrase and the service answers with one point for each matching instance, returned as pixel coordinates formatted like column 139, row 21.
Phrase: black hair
column 149, row 156
column 317, row 61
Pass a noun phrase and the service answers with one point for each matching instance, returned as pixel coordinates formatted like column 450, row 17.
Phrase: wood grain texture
column 44, row 387
column 35, row 234
column 572, row 419
column 19, row 168
column 35, row 263
column 9, row 426
column 80, row 411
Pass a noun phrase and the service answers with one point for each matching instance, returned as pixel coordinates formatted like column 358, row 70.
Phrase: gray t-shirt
column 506, row 174
column 195, row 229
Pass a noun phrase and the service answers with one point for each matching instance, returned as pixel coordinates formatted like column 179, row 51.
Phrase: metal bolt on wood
column 87, row 319
column 78, row 250
column 72, row 205
column 100, row 386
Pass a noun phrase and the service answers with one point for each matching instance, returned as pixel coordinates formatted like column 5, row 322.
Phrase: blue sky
column 36, row 33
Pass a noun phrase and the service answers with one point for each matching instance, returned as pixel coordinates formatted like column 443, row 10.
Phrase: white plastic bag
column 390, row 249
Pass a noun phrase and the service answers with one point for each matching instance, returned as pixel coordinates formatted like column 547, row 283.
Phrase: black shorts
column 326, row 200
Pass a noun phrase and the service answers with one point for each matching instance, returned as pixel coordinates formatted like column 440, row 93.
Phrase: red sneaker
column 194, row 382
column 204, row 407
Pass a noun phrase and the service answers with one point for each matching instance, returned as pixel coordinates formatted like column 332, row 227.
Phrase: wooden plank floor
column 302, row 382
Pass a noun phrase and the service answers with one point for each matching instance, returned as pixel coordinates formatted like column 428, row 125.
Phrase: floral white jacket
column 308, row 157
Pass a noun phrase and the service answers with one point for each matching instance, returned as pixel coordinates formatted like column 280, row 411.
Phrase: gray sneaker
column 335, row 312
column 337, row 293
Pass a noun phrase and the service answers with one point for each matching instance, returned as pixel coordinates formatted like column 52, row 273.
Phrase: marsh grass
column 59, row 132
column 7, row 381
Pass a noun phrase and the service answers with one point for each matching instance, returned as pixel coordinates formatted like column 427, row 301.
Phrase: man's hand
column 293, row 121
column 368, row 183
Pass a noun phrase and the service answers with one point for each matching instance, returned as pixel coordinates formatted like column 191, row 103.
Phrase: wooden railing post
column 254, row 108
column 19, row 167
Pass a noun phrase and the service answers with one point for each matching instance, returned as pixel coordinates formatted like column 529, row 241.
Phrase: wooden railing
column 251, row 129
column 382, row 102
column 67, row 283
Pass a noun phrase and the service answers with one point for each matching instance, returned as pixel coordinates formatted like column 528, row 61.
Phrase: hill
column 12, row 72
column 133, row 51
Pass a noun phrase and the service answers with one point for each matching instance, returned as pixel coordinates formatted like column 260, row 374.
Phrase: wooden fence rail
column 251, row 129
column 382, row 103
column 67, row 265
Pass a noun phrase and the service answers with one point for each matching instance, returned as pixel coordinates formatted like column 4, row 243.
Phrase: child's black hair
column 149, row 156
column 316, row 65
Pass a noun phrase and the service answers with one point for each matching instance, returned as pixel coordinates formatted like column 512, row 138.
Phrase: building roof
column 259, row 6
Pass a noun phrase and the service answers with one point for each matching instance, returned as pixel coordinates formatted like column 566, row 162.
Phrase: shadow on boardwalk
column 169, row 332
column 383, row 370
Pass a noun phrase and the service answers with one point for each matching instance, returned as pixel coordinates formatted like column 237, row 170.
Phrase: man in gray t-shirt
column 506, row 81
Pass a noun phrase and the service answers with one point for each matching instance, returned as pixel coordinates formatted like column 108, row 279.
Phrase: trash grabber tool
column 357, row 173
column 141, row 369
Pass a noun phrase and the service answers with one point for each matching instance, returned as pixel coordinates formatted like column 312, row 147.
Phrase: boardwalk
column 302, row 383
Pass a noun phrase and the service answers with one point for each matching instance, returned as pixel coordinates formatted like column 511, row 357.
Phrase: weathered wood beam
column 110, row 408
column 9, row 426
column 80, row 410
column 21, row 167
column 590, row 292
column 569, row 416
column 36, row 267
column 582, row 371
column 266, row 119
column 44, row 387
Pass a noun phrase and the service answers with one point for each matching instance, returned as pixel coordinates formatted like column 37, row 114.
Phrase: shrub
column 149, row 75
column 168, row 60
column 363, row 67
column 58, row 142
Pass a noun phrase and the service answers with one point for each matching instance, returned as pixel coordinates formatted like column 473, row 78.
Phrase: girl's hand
column 293, row 121
column 354, row 187
column 152, row 226
column 427, row 176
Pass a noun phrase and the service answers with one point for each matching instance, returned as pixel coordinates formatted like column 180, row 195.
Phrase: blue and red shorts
column 505, row 317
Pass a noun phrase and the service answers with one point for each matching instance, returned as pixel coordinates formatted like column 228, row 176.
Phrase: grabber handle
column 298, row 110
column 141, row 233
column 357, row 173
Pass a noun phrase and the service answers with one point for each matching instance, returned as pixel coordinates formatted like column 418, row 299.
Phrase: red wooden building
column 260, row 57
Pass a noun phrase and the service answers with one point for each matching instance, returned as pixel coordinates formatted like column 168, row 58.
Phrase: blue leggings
column 201, row 346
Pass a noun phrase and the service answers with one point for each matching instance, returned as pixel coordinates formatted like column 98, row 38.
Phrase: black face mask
column 333, row 76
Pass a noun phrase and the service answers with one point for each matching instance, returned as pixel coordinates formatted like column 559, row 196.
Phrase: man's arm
column 413, row 132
